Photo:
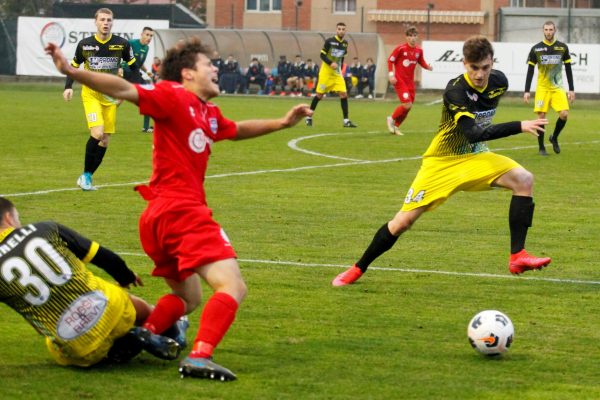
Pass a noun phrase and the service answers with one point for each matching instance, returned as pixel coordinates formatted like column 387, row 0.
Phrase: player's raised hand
column 61, row 63
column 535, row 127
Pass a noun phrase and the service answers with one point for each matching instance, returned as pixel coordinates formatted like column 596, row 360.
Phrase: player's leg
column 339, row 86
column 520, row 217
column 219, row 312
column 560, row 104
column 384, row 239
column 542, row 104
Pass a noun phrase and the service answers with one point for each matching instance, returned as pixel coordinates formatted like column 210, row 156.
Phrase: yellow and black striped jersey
column 549, row 58
column 463, row 99
column 334, row 50
column 103, row 56
column 43, row 277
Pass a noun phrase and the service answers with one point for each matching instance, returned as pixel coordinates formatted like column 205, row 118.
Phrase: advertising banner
column 510, row 58
column 34, row 33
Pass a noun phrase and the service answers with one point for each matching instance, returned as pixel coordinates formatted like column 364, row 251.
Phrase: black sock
column 541, row 140
column 91, row 151
column 520, row 217
column 314, row 102
column 382, row 242
column 99, row 156
column 560, row 124
column 344, row 107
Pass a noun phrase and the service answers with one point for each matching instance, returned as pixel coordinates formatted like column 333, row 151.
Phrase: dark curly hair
column 183, row 55
column 477, row 48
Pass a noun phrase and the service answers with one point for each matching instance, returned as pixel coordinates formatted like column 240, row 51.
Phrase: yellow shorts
column 100, row 110
column 330, row 81
column 93, row 346
column 441, row 177
column 555, row 98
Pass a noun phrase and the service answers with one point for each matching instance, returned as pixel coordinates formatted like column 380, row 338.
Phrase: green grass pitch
column 300, row 206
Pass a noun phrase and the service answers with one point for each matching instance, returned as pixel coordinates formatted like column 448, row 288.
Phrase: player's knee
column 524, row 180
column 564, row 114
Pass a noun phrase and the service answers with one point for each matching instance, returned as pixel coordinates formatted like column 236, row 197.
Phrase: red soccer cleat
column 523, row 261
column 347, row 277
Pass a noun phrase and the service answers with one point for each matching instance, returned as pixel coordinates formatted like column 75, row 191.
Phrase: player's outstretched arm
column 104, row 83
column 252, row 128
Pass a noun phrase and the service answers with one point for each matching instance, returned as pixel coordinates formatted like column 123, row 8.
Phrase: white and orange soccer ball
column 491, row 332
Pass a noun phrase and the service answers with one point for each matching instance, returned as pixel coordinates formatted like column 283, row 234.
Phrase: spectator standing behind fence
column 311, row 74
column 256, row 75
column 296, row 79
column 367, row 79
column 217, row 61
column 231, row 75
column 355, row 72
column 283, row 73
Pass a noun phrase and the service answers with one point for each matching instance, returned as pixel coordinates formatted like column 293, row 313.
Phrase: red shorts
column 406, row 93
column 180, row 235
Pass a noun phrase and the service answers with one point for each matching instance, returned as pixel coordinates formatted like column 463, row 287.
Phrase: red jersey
column 403, row 60
column 185, row 128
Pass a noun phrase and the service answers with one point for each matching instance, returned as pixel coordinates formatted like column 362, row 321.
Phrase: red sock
column 400, row 114
column 167, row 311
column 217, row 317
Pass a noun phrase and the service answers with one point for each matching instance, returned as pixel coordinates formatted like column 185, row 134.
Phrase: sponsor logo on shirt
column 103, row 63
column 551, row 59
column 88, row 47
column 116, row 47
column 472, row 96
column 198, row 141
column 81, row 315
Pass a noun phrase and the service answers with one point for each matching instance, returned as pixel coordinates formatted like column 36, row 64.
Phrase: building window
column 263, row 5
column 344, row 6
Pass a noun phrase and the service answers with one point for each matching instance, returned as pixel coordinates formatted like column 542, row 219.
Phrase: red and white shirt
column 403, row 61
column 185, row 128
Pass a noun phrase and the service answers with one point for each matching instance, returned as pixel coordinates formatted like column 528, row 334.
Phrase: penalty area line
column 405, row 270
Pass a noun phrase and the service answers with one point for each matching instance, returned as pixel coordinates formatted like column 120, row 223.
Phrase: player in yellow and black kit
column 101, row 53
column 330, row 74
column 84, row 318
column 550, row 55
column 458, row 160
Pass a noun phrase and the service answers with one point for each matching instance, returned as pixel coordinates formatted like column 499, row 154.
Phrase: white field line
column 278, row 170
column 405, row 270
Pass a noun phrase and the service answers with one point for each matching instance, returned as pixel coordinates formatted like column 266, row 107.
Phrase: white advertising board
column 510, row 58
column 34, row 33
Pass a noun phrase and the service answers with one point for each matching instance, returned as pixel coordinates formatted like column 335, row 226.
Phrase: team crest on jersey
column 116, row 47
column 213, row 125
column 472, row 96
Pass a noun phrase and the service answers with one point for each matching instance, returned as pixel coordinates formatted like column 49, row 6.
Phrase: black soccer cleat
column 178, row 330
column 349, row 124
column 543, row 152
column 555, row 145
column 308, row 121
column 159, row 346
column 205, row 368
column 125, row 348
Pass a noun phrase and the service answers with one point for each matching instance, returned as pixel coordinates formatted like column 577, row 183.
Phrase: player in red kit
column 176, row 229
column 401, row 66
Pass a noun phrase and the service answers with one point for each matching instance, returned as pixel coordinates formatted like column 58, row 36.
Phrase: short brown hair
column 103, row 11
column 183, row 55
column 411, row 30
column 549, row 23
column 477, row 48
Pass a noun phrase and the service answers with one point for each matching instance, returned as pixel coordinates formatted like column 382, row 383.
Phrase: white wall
column 34, row 33
column 510, row 58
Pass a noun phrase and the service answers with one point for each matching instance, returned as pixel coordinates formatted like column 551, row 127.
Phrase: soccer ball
column 490, row 332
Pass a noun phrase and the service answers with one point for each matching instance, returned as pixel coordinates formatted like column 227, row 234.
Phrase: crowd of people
column 296, row 78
